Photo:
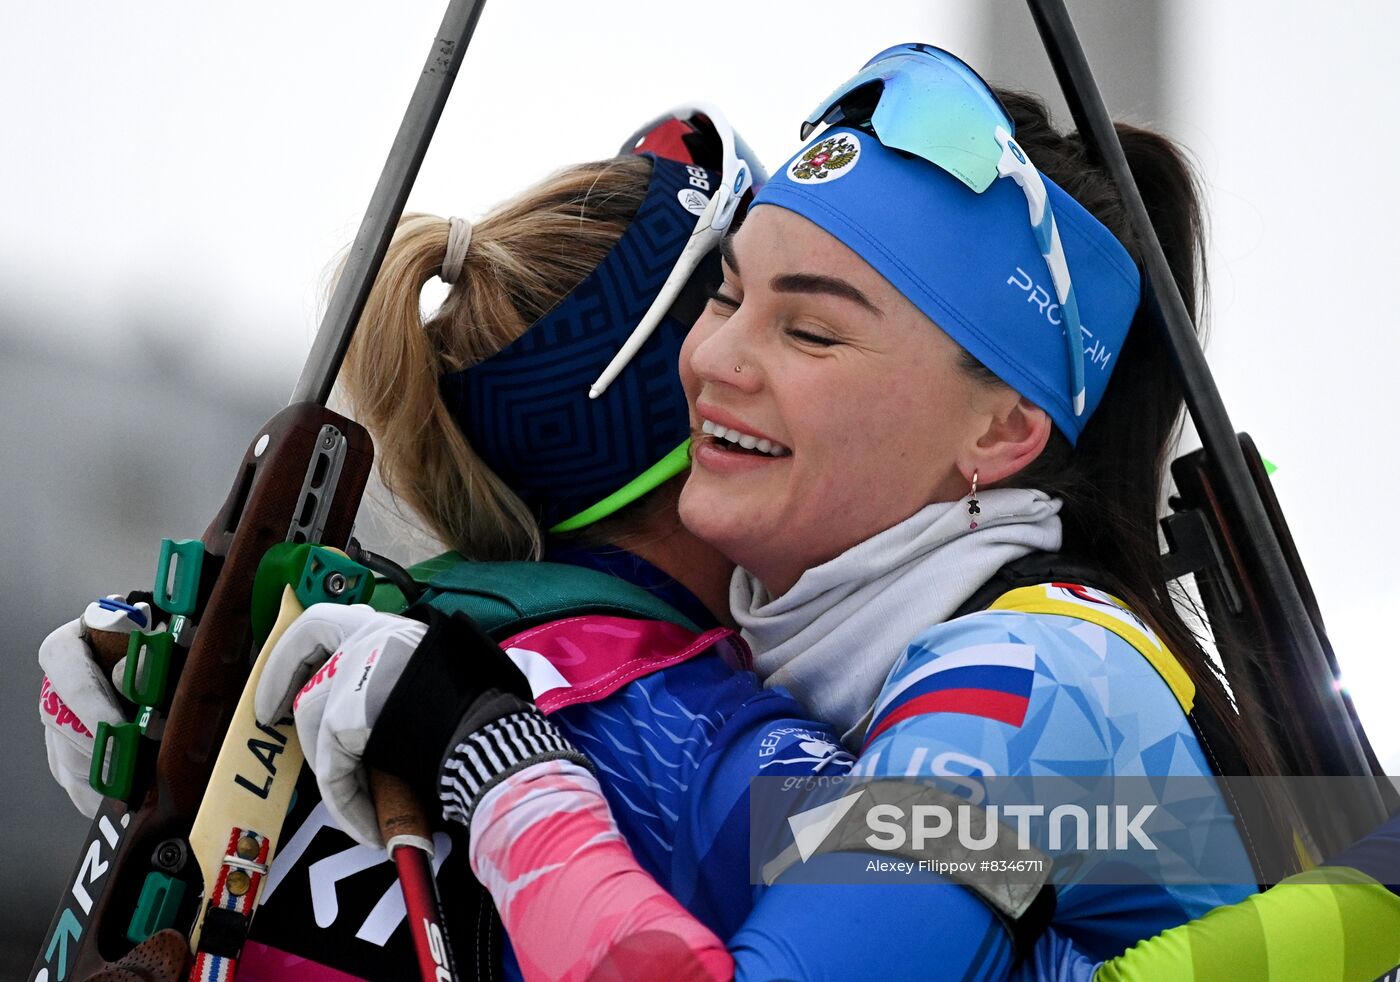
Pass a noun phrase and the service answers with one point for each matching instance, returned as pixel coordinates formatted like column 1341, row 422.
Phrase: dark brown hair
column 1111, row 482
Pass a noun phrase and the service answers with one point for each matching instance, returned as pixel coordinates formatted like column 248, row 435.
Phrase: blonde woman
column 487, row 431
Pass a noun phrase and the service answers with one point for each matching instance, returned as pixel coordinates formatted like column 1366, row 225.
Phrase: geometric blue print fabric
column 526, row 410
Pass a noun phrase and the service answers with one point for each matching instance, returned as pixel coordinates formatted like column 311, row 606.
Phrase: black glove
column 460, row 719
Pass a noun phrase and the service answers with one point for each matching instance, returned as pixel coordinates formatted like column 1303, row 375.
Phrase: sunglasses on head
column 696, row 134
column 927, row 102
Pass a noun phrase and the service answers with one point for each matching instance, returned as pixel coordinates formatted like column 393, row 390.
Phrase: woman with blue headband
column 890, row 341
column 898, row 327
column 893, row 331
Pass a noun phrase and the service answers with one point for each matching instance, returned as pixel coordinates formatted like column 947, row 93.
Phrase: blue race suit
column 675, row 752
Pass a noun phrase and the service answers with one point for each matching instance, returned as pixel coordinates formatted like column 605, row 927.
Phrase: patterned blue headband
column 526, row 411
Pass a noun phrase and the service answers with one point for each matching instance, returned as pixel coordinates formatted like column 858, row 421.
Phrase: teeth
column 745, row 440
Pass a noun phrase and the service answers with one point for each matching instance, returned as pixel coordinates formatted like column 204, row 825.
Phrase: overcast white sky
column 211, row 159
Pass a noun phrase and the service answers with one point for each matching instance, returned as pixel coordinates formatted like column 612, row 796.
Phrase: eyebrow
column 831, row 286
column 726, row 250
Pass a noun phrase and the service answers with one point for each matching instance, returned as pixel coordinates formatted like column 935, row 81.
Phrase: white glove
column 76, row 695
column 350, row 658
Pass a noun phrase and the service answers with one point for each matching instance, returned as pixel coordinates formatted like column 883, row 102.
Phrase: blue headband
column 526, row 411
column 970, row 262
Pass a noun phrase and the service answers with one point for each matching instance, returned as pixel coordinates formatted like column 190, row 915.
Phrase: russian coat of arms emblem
column 825, row 157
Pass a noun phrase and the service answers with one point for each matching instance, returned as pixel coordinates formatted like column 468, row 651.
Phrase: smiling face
column 866, row 413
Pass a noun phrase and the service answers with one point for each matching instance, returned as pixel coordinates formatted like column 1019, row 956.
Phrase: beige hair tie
column 459, row 236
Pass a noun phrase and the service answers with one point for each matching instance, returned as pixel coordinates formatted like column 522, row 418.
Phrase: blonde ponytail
column 524, row 257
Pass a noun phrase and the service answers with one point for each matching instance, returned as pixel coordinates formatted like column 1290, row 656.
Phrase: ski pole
column 386, row 204
column 410, row 842
column 1329, row 734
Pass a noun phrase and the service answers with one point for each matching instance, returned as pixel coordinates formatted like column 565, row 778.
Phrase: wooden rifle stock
column 274, row 489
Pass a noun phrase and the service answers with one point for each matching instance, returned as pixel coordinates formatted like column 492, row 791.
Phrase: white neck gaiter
column 832, row 639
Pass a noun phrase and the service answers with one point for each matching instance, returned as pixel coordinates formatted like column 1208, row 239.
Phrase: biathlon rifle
column 300, row 481
column 1228, row 529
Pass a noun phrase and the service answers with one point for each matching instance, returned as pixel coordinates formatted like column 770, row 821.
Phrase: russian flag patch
column 991, row 680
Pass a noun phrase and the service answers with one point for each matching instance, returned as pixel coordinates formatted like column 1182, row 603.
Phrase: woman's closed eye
column 722, row 301
column 812, row 338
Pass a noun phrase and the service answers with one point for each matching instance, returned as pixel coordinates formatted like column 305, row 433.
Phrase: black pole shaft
column 387, row 203
column 1203, row 400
